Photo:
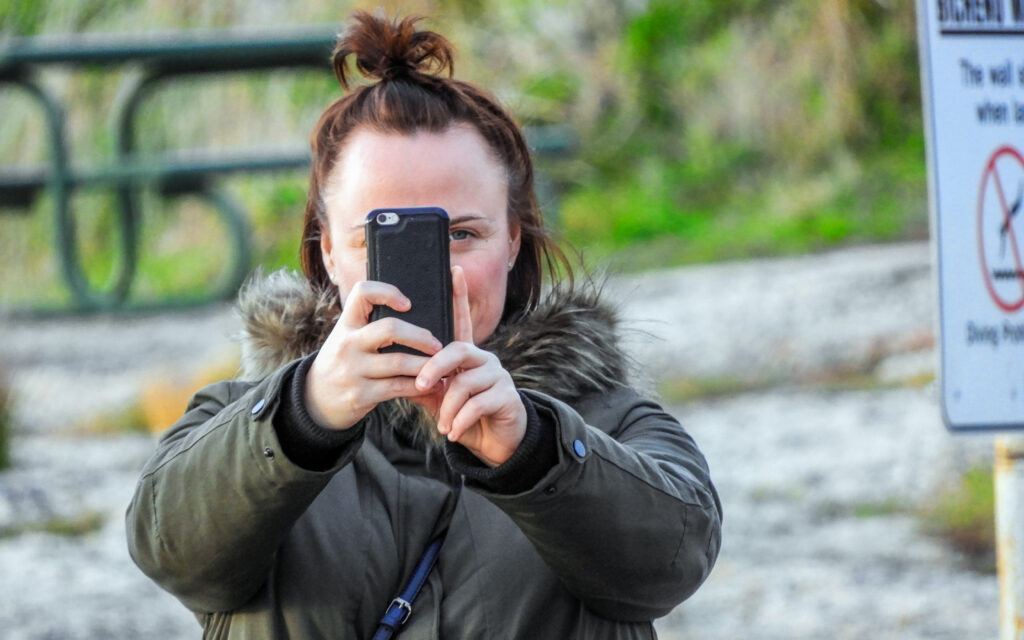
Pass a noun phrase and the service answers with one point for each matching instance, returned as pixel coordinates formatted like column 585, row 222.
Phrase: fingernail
column 421, row 383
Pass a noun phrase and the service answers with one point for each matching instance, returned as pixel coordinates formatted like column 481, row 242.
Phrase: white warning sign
column 972, row 63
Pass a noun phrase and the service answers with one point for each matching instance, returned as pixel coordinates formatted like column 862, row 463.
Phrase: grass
column 161, row 401
column 130, row 418
column 687, row 389
column 963, row 515
column 70, row 527
column 690, row 389
column 887, row 507
column 863, row 510
column 865, row 381
column 881, row 199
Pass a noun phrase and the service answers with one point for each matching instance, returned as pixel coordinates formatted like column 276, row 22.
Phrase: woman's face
column 453, row 170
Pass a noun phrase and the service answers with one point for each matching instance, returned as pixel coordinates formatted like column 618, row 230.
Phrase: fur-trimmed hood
column 567, row 347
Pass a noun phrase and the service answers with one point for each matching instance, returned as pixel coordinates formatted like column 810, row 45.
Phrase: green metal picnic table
column 160, row 58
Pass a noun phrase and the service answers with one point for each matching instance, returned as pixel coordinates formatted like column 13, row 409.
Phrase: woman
column 300, row 504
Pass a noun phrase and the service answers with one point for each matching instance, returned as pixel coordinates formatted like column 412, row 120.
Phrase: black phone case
column 412, row 254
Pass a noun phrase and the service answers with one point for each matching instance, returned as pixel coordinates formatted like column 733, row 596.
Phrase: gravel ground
column 793, row 468
column 810, row 549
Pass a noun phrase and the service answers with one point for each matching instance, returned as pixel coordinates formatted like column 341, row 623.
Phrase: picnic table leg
column 60, row 185
column 230, row 212
column 236, row 221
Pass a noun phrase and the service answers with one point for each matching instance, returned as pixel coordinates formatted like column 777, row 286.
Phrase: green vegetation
column 755, row 128
column 887, row 507
column 688, row 389
column 863, row 510
column 73, row 526
column 963, row 514
column 129, row 418
column 81, row 525
column 684, row 390
column 706, row 130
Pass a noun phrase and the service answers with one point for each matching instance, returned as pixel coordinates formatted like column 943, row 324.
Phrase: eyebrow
column 468, row 218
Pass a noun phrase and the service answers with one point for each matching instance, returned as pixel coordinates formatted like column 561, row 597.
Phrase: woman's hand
column 476, row 404
column 349, row 377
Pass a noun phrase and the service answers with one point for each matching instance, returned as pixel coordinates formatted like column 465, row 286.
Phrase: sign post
column 972, row 76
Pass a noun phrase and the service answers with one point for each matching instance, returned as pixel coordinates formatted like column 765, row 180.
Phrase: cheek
column 351, row 269
column 483, row 277
column 486, row 281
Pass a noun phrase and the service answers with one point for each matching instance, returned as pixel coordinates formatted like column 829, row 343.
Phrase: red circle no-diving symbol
column 999, row 203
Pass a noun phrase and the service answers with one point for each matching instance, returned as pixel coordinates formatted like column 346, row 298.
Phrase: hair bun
column 386, row 50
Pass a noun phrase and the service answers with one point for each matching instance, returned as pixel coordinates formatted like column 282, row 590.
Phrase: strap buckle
column 406, row 608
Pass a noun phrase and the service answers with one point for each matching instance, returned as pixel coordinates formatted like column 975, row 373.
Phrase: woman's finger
column 391, row 365
column 461, row 317
column 377, row 391
column 364, row 296
column 388, row 331
column 488, row 403
column 461, row 388
column 449, row 360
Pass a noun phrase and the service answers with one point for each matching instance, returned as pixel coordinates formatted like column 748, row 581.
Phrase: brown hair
column 412, row 93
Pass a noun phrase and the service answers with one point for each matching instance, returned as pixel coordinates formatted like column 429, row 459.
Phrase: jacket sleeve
column 218, row 496
column 628, row 517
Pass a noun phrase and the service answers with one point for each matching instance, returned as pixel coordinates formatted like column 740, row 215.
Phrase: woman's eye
column 460, row 234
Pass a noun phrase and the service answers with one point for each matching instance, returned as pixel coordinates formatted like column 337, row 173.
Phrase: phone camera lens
column 387, row 218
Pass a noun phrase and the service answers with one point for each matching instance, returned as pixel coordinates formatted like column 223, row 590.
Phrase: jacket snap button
column 579, row 448
column 269, row 453
column 550, row 489
column 256, row 408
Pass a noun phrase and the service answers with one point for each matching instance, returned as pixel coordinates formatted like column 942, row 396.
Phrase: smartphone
column 408, row 247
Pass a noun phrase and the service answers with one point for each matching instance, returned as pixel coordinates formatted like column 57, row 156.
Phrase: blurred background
column 751, row 173
column 699, row 130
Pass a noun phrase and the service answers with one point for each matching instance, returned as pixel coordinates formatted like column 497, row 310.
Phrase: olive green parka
column 623, row 528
